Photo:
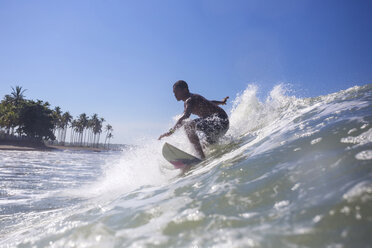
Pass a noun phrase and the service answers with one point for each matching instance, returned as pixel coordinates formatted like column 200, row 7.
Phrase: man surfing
column 213, row 121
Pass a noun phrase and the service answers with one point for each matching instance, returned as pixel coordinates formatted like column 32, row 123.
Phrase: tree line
column 35, row 120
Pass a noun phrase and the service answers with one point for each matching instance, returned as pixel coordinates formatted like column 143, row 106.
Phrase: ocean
column 291, row 172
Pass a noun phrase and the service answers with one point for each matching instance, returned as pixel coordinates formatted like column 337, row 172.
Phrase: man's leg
column 193, row 137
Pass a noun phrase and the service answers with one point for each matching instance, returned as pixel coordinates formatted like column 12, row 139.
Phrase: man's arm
column 223, row 102
column 186, row 114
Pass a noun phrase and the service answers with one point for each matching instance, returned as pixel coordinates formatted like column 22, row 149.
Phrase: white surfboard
column 178, row 158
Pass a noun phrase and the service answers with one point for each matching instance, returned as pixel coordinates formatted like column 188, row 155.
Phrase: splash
column 138, row 167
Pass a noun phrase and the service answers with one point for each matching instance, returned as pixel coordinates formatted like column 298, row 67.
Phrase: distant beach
column 28, row 125
column 26, row 146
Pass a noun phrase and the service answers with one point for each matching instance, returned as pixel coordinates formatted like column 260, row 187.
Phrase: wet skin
column 197, row 105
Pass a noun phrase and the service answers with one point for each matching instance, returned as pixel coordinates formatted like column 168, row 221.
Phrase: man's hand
column 165, row 135
column 224, row 100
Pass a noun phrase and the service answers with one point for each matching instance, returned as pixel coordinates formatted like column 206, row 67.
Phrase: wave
column 255, row 128
column 291, row 172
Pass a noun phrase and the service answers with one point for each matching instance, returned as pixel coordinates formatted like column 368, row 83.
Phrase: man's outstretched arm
column 179, row 123
column 223, row 102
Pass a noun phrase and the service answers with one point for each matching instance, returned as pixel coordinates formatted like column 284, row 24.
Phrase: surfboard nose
column 177, row 157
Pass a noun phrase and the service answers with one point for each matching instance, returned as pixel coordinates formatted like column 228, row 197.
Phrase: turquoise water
column 291, row 172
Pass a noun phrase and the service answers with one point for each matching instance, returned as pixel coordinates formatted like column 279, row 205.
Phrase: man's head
column 181, row 90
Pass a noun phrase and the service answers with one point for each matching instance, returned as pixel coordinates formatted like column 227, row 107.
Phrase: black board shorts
column 214, row 127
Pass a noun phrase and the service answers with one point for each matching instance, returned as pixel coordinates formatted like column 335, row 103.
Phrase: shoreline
column 11, row 147
column 34, row 147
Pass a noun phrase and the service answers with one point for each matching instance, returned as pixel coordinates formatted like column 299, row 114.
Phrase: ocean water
column 291, row 172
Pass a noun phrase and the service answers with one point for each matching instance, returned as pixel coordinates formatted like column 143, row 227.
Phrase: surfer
column 213, row 121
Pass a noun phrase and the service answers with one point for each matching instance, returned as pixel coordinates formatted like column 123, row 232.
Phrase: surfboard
column 178, row 158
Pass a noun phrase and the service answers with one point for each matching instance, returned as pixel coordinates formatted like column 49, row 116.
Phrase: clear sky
column 119, row 59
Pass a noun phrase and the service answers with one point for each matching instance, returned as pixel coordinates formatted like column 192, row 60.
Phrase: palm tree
column 82, row 125
column 57, row 116
column 108, row 130
column 94, row 125
column 109, row 137
column 17, row 94
column 65, row 120
column 73, row 131
column 15, row 99
column 98, row 129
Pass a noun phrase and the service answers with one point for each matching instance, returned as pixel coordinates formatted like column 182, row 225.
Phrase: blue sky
column 119, row 59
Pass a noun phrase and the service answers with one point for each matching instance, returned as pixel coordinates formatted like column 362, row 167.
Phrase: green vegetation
column 29, row 120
